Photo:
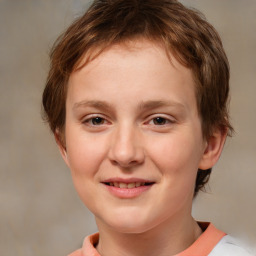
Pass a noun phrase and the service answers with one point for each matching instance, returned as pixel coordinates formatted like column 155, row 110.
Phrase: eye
column 160, row 120
column 95, row 121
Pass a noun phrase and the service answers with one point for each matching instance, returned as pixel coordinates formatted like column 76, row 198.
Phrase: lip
column 128, row 193
column 129, row 180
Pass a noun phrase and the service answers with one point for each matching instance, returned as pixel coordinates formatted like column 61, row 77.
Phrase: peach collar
column 201, row 247
column 206, row 242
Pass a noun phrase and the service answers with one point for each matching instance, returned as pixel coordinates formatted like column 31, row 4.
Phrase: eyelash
column 89, row 120
column 162, row 121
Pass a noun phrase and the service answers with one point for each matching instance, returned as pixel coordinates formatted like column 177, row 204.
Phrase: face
column 133, row 137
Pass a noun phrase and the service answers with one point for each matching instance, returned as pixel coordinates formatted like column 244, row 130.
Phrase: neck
column 169, row 238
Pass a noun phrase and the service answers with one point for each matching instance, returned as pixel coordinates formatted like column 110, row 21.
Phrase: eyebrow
column 151, row 104
column 144, row 105
column 92, row 103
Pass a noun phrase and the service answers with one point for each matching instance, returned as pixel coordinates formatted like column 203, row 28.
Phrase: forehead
column 142, row 64
column 128, row 46
column 105, row 54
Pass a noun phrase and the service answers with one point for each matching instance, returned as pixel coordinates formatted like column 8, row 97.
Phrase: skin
column 131, row 113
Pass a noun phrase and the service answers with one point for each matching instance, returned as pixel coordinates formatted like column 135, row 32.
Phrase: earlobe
column 59, row 138
column 213, row 149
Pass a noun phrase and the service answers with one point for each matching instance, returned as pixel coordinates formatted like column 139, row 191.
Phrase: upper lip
column 127, row 180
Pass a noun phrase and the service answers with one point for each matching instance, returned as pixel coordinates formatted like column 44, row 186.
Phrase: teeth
column 131, row 185
column 137, row 184
column 126, row 185
column 122, row 185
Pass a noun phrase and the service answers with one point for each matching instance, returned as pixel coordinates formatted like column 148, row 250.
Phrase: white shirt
column 228, row 246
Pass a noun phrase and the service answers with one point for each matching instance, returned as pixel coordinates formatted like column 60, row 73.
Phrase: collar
column 201, row 247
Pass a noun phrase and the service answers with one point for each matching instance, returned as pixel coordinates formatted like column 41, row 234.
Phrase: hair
column 181, row 31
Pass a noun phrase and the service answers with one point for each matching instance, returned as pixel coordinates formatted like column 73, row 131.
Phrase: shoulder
column 229, row 246
column 88, row 248
column 76, row 253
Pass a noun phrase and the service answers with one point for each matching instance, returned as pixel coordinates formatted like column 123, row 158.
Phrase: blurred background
column 40, row 212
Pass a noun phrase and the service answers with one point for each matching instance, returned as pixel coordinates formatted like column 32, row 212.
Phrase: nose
column 126, row 149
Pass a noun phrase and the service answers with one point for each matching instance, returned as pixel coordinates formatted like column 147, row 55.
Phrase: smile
column 128, row 185
column 127, row 189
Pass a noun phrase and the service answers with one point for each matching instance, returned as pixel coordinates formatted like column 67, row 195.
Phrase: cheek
column 84, row 153
column 177, row 156
column 177, row 160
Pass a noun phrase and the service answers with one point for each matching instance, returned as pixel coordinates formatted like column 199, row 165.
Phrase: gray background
column 40, row 212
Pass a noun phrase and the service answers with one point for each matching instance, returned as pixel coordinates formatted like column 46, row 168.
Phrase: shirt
column 212, row 242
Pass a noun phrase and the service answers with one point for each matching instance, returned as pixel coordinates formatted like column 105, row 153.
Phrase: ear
column 60, row 140
column 213, row 149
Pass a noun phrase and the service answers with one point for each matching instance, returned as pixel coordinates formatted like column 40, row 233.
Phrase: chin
column 129, row 223
column 131, row 228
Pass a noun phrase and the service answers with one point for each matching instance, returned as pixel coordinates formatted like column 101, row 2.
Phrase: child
column 137, row 98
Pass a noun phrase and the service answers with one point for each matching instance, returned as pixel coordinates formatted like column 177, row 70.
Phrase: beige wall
column 40, row 211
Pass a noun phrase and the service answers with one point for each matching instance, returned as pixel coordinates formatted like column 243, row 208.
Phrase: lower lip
column 127, row 192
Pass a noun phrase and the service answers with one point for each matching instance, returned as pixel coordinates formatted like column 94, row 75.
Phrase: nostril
column 114, row 162
column 124, row 164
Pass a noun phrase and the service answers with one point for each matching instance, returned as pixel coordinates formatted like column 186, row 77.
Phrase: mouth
column 127, row 188
column 129, row 185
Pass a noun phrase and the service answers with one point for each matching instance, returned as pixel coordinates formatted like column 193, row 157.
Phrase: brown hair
column 183, row 32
